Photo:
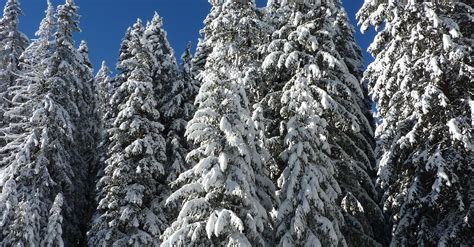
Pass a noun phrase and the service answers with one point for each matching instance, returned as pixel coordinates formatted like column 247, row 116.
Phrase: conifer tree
column 44, row 114
column 54, row 230
column 178, row 108
column 70, row 70
column 25, row 193
column 12, row 44
column 218, row 198
column 106, row 88
column 312, row 51
column 129, row 213
column 164, row 67
column 204, row 47
column 421, row 81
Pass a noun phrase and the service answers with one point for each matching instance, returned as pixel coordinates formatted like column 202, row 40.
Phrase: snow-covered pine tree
column 107, row 121
column 43, row 163
column 72, row 80
column 204, row 48
column 25, row 196
column 312, row 51
column 129, row 213
column 164, row 67
column 29, row 60
column 219, row 198
column 12, row 44
column 54, row 232
column 173, row 94
column 421, row 81
column 106, row 89
column 178, row 109
column 365, row 221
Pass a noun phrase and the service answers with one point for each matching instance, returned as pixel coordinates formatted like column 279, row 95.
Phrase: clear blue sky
column 103, row 22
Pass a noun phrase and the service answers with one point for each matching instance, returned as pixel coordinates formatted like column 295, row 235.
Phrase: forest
column 272, row 133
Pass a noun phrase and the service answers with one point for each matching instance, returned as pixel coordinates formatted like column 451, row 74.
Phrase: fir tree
column 218, row 198
column 129, row 213
column 164, row 67
column 421, row 81
column 312, row 51
column 44, row 117
column 204, row 47
column 12, row 44
column 70, row 73
column 178, row 109
column 106, row 88
column 29, row 183
column 54, row 230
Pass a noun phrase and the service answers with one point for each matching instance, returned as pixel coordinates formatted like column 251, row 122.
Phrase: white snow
column 3, row 175
column 457, row 134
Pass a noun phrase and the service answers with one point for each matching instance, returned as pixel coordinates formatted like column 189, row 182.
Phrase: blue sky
column 103, row 22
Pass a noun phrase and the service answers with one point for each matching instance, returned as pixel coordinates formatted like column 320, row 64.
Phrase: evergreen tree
column 173, row 93
column 106, row 87
column 54, row 230
column 421, row 81
column 12, row 44
column 218, row 198
column 129, row 213
column 164, row 67
column 44, row 159
column 178, row 109
column 70, row 70
column 204, row 47
column 312, row 51
column 26, row 194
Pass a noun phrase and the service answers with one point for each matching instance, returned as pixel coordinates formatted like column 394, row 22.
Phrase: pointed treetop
column 45, row 29
column 138, row 24
column 187, row 55
column 67, row 22
column 83, row 47
column 104, row 67
column 11, row 11
column 104, row 71
column 187, row 51
column 157, row 20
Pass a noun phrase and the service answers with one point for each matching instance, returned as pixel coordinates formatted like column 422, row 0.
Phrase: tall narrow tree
column 45, row 164
column 178, row 108
column 129, row 212
column 204, row 47
column 312, row 51
column 421, row 81
column 218, row 198
column 12, row 44
column 70, row 68
column 26, row 193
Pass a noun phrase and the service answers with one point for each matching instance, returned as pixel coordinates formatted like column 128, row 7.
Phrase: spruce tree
column 54, row 229
column 70, row 67
column 106, row 88
column 178, row 108
column 421, row 81
column 312, row 51
column 204, row 47
column 129, row 213
column 12, row 44
column 46, row 107
column 218, row 199
column 164, row 67
column 25, row 195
